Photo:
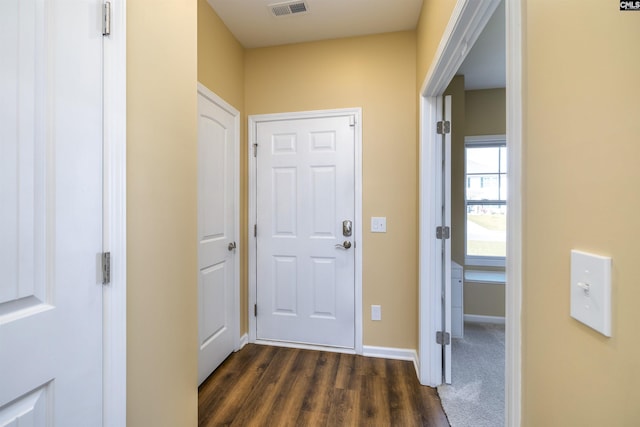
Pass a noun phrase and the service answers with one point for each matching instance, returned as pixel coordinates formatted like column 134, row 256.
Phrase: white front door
column 50, row 213
column 305, row 231
column 217, row 144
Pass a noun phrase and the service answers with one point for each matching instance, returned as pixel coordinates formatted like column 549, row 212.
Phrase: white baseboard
column 393, row 353
column 476, row 318
column 244, row 340
column 305, row 346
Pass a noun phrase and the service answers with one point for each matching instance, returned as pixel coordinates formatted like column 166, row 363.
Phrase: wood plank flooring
column 275, row 386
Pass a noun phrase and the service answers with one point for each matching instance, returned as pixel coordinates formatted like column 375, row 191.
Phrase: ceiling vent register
column 288, row 8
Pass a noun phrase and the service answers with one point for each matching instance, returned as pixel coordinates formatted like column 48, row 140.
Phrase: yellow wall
column 434, row 17
column 221, row 70
column 582, row 128
column 161, row 214
column 376, row 73
column 485, row 112
column 458, row 132
column 220, row 57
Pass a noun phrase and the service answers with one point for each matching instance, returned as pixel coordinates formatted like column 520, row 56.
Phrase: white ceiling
column 484, row 66
column 254, row 25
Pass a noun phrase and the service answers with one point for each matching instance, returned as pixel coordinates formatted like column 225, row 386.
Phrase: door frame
column 209, row 94
column 253, row 120
column 465, row 25
column 114, row 302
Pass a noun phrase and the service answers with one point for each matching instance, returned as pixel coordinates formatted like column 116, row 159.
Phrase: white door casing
column 218, row 267
column 305, row 187
column 51, row 213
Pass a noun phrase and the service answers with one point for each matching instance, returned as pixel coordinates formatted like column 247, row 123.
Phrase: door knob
column 231, row 246
column 345, row 245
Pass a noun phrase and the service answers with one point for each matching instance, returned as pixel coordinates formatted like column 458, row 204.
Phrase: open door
column 443, row 231
column 218, row 139
column 51, row 214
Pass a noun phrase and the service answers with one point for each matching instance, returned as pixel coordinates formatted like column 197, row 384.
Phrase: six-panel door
column 305, row 271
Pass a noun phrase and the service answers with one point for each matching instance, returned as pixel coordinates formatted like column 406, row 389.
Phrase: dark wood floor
column 275, row 386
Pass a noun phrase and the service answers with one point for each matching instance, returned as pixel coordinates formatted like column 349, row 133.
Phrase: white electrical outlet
column 376, row 312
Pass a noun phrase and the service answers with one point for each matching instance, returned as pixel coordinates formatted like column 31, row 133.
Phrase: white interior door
column 50, row 213
column 305, row 253
column 217, row 169
column 444, row 192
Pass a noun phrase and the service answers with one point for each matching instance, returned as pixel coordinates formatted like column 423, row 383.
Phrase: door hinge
column 255, row 150
column 443, row 127
column 443, row 338
column 106, row 268
column 255, row 230
column 255, row 310
column 106, row 19
column 443, row 232
column 352, row 121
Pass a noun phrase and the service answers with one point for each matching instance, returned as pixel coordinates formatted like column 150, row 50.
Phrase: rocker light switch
column 591, row 290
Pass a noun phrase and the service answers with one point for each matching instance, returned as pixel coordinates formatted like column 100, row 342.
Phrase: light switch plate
column 376, row 312
column 591, row 290
column 378, row 224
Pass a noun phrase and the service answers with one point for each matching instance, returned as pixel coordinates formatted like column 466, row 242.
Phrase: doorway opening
column 467, row 22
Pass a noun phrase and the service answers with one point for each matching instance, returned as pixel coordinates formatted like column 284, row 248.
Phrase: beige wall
column 220, row 57
column 376, row 73
column 582, row 128
column 433, row 19
column 484, row 299
column 458, row 132
column 485, row 112
column 161, row 214
column 221, row 70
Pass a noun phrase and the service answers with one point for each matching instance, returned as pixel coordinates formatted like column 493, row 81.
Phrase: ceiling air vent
column 288, row 8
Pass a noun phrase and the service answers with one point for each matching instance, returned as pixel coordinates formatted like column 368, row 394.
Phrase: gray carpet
column 476, row 396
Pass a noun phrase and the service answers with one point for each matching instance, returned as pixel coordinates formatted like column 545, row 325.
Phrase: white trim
column 467, row 21
column 207, row 93
column 304, row 346
column 477, row 318
column 490, row 277
column 513, row 290
column 483, row 139
column 114, row 316
column 393, row 353
column 465, row 25
column 244, row 340
column 252, row 136
column 484, row 261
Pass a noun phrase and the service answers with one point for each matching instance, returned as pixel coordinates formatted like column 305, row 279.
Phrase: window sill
column 484, row 261
column 481, row 276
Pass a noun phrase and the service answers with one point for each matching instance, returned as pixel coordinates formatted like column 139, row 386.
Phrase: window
column 486, row 200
